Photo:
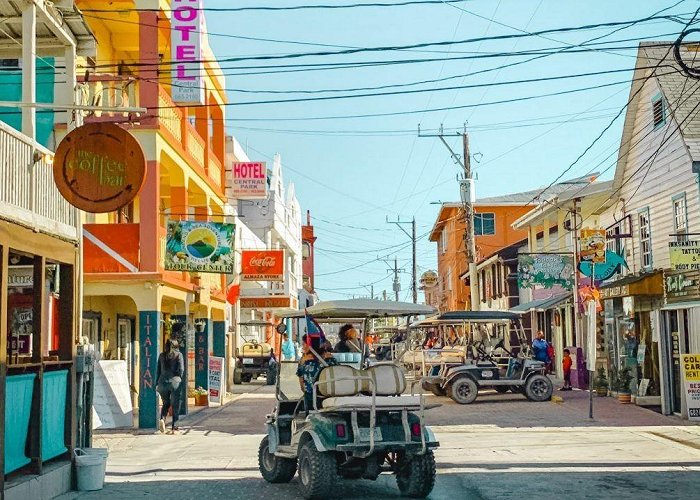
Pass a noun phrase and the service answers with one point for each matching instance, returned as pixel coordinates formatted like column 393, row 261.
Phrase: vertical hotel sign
column 187, row 26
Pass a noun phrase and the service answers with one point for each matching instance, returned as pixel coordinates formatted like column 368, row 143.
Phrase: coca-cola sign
column 262, row 265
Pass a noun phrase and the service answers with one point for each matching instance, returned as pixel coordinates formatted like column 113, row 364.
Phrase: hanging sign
column 592, row 245
column 546, row 270
column 681, row 286
column 186, row 28
column 612, row 265
column 205, row 247
column 429, row 279
column 685, row 255
column 249, row 180
column 262, row 265
column 691, row 375
column 99, row 167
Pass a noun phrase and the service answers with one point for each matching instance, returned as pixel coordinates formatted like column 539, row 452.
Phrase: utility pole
column 414, row 277
column 467, row 195
column 397, row 282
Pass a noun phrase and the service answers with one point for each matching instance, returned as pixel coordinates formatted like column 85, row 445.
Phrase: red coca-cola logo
column 268, row 261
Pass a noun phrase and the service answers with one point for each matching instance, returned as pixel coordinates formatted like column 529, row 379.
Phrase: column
column 149, row 219
column 149, row 327
column 219, row 347
column 561, row 232
column 545, row 235
column 201, row 353
column 29, row 69
column 148, row 49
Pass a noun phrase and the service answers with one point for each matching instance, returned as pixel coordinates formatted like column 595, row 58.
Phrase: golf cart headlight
column 415, row 429
column 340, row 430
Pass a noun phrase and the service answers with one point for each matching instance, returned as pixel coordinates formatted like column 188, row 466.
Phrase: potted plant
column 614, row 382
column 201, row 397
column 601, row 383
column 625, row 380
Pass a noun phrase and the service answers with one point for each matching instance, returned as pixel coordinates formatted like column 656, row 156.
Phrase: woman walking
column 169, row 373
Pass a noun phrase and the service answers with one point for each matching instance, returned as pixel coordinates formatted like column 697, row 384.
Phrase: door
column 675, row 337
column 126, row 333
column 92, row 326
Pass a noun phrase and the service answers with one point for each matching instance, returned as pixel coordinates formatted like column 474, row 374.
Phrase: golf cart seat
column 345, row 387
column 347, row 357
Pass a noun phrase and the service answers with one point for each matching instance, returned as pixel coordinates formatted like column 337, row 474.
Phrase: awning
column 634, row 284
column 680, row 305
column 541, row 304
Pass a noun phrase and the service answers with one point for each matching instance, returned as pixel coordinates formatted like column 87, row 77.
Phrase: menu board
column 111, row 404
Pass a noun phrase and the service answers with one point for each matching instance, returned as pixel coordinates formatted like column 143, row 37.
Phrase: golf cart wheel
column 237, row 377
column 247, row 377
column 501, row 389
column 539, row 388
column 463, row 390
column 271, row 378
column 417, row 478
column 317, row 472
column 275, row 469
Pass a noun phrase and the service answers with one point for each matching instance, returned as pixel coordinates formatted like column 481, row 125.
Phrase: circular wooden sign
column 99, row 167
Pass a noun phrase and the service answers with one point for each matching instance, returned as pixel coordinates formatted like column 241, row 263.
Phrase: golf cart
column 362, row 424
column 254, row 358
column 491, row 364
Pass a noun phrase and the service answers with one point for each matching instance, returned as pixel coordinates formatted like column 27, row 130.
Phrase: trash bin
column 90, row 465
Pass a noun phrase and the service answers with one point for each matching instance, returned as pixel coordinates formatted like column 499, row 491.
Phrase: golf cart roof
column 457, row 317
column 364, row 308
column 255, row 322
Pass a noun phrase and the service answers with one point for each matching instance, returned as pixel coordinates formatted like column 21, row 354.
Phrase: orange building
column 493, row 231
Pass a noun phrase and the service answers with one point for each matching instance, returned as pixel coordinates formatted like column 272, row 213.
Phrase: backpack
column 550, row 351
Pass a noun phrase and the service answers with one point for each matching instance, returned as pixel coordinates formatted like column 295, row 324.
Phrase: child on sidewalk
column 566, row 363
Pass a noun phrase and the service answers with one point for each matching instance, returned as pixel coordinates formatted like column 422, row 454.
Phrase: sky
column 353, row 173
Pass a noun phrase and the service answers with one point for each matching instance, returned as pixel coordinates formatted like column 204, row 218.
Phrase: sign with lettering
column 205, row 247
column 249, row 180
column 429, row 279
column 269, row 302
column 262, row 265
column 681, row 286
column 592, row 245
column 216, row 375
column 99, row 167
column 111, row 404
column 685, row 255
column 690, row 364
column 612, row 264
column 186, row 28
column 545, row 270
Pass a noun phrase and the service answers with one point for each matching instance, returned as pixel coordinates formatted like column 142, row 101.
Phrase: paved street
column 500, row 447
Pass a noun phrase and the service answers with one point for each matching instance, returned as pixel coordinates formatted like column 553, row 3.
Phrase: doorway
column 678, row 331
column 92, row 329
column 126, row 343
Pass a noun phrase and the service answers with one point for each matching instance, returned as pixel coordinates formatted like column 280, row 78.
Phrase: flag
column 313, row 329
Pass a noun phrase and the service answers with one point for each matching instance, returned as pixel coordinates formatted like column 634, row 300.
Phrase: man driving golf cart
column 358, row 423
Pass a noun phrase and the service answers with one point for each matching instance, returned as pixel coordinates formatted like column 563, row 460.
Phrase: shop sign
column 685, row 255
column 592, row 245
column 614, row 291
column 691, row 375
column 249, row 180
column 612, row 265
column 429, row 279
column 216, row 375
column 99, row 167
column 20, row 276
column 205, row 247
column 268, row 302
column 681, row 286
column 546, row 270
column 262, row 265
column 186, row 28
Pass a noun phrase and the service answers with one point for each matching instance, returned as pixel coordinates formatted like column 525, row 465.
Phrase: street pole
column 590, row 365
column 397, row 283
column 412, row 235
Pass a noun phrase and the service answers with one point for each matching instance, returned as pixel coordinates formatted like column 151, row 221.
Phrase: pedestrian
column 315, row 358
column 348, row 339
column 540, row 347
column 566, row 363
column 289, row 348
column 169, row 373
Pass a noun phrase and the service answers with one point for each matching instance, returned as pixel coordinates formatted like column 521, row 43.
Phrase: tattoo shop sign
column 545, row 270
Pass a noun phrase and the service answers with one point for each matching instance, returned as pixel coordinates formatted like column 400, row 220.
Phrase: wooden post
column 4, row 251
column 38, row 316
column 66, row 349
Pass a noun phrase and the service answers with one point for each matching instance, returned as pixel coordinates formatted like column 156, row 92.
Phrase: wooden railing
column 168, row 115
column 28, row 194
column 195, row 144
column 215, row 170
column 106, row 91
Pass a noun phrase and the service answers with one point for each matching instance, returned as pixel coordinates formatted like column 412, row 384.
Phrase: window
column 305, row 250
column 484, row 224
column 443, row 240
column 680, row 217
column 645, row 238
column 658, row 109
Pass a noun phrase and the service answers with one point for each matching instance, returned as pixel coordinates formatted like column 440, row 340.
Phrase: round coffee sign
column 429, row 279
column 99, row 167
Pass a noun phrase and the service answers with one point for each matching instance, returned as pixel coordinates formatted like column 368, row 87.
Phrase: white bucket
column 90, row 465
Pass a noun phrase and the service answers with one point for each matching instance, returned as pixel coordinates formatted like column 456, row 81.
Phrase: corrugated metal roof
column 526, row 197
column 541, row 304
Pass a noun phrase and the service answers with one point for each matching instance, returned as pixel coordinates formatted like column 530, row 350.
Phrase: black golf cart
column 364, row 424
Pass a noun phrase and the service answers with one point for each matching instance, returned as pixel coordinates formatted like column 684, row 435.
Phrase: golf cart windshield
column 288, row 388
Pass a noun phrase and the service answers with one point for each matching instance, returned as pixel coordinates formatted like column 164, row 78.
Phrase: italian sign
column 592, row 245
column 262, row 265
column 611, row 265
column 545, row 270
column 249, row 180
column 205, row 247
column 681, row 286
column 691, row 374
column 99, row 167
column 685, row 255
column 187, row 26
column 216, row 375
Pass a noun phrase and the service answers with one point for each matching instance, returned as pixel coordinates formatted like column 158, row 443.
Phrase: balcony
column 111, row 248
column 28, row 194
column 115, row 95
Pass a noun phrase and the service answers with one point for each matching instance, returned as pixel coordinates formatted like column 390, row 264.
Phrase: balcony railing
column 169, row 116
column 195, row 144
column 215, row 170
column 28, row 193
column 108, row 92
